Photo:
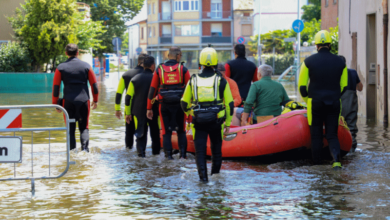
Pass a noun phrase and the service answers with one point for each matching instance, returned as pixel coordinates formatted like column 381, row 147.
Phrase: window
column 154, row 8
column 216, row 9
column 149, row 9
column 154, row 31
column 186, row 30
column 246, row 30
column 150, row 31
column 166, row 30
column 216, row 30
column 334, row 2
column 326, row 3
column 142, row 33
column 190, row 5
column 247, row 14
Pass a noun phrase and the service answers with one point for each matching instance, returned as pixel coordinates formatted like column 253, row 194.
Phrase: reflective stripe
column 162, row 74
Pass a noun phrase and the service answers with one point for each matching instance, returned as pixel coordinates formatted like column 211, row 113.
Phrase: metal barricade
column 32, row 130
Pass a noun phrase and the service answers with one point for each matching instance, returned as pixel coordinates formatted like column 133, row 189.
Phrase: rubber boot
column 183, row 152
column 353, row 148
column 168, row 154
column 336, row 166
column 215, row 168
column 202, row 171
column 141, row 151
column 86, row 149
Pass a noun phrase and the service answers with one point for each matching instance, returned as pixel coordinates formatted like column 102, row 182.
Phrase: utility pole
column 298, row 54
column 259, row 43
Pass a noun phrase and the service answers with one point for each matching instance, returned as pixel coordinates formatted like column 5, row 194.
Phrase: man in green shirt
column 266, row 96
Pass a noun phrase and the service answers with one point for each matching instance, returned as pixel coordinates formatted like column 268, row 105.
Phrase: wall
column 154, row 38
column 329, row 14
column 151, row 16
column 186, row 40
column 357, row 23
column 186, row 15
column 32, row 82
column 143, row 42
column 7, row 8
column 239, row 20
column 226, row 28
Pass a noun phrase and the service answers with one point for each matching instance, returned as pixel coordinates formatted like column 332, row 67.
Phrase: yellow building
column 190, row 25
column 7, row 9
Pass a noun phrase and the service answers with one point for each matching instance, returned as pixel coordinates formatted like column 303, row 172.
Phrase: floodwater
column 113, row 183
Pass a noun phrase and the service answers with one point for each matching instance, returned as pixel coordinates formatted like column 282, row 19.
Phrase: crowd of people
column 167, row 97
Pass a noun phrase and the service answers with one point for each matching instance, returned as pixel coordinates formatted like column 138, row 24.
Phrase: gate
column 14, row 153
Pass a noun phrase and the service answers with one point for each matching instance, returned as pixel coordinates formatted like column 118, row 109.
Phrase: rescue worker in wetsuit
column 241, row 70
column 328, row 77
column 169, row 82
column 122, row 86
column 209, row 100
column 135, row 109
column 75, row 74
column 349, row 102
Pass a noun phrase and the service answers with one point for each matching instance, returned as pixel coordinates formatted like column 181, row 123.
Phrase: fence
column 26, row 82
column 12, row 148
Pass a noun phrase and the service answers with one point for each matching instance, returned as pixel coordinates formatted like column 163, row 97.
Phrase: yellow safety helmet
column 322, row 37
column 208, row 57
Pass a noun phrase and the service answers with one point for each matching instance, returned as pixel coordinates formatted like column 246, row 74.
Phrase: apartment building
column 243, row 23
column 191, row 25
column 329, row 13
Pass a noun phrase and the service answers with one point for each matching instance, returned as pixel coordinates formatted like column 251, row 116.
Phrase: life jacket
column 207, row 105
column 171, row 83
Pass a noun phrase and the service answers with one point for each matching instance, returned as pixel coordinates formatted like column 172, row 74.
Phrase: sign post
column 117, row 42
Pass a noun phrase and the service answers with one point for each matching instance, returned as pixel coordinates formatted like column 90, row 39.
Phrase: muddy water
column 112, row 183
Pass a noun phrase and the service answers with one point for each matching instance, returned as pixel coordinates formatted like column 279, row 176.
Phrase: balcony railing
column 165, row 16
column 165, row 40
column 217, row 15
column 216, row 39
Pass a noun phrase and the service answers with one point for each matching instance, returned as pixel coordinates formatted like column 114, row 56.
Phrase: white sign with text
column 10, row 149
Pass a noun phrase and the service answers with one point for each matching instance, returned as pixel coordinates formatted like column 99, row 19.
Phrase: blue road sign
column 138, row 50
column 241, row 40
column 117, row 42
column 298, row 26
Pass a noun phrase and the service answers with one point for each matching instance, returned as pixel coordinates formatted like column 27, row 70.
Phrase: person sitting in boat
column 266, row 97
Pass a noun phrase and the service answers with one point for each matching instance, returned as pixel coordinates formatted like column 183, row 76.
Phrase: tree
column 46, row 27
column 334, row 34
column 312, row 10
column 114, row 14
column 14, row 57
column 88, row 33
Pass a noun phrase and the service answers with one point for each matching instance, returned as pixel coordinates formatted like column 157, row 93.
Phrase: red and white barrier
column 10, row 118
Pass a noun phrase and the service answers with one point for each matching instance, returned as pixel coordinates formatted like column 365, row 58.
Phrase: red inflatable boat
column 283, row 133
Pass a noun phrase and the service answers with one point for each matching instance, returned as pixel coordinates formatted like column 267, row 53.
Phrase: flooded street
column 113, row 183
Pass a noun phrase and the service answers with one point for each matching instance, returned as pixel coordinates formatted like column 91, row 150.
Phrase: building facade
column 243, row 23
column 7, row 9
column 329, row 13
column 361, row 41
column 190, row 25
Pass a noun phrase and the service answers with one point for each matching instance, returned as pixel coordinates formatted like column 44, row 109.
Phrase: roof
column 243, row 4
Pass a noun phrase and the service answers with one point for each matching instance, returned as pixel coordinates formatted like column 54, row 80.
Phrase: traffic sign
column 138, row 50
column 10, row 149
column 298, row 26
column 117, row 42
column 241, row 40
column 10, row 118
column 291, row 39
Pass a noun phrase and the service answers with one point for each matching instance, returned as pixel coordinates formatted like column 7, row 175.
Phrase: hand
column 149, row 114
column 94, row 105
column 128, row 119
column 118, row 114
column 227, row 129
column 243, row 122
column 58, row 110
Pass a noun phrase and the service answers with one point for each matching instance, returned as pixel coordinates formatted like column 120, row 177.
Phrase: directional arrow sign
column 298, row 26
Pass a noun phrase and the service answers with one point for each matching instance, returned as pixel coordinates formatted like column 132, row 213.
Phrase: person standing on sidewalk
column 135, row 110
column 75, row 74
column 349, row 103
column 122, row 86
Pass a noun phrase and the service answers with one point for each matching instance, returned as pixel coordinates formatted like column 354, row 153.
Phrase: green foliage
column 312, row 10
column 113, row 14
column 334, row 33
column 88, row 33
column 282, row 61
column 46, row 27
column 276, row 38
column 14, row 58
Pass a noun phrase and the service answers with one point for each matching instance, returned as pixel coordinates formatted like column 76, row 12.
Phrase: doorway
column 371, row 69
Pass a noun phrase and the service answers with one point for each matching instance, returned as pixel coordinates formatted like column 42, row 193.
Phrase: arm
column 250, row 100
column 185, row 102
column 93, row 83
column 344, row 80
column 119, row 92
column 235, row 93
column 56, row 87
column 303, row 81
column 229, row 104
column 153, row 89
column 129, row 98
column 227, row 70
column 359, row 86
column 187, row 77
column 255, row 76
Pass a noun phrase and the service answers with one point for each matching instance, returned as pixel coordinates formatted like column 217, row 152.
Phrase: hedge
column 14, row 58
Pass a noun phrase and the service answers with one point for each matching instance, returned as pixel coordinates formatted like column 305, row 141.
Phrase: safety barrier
column 11, row 146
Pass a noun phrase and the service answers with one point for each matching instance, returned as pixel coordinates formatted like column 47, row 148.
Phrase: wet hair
column 174, row 51
column 148, row 62
column 220, row 67
column 72, row 49
column 239, row 49
column 343, row 58
column 141, row 58
column 266, row 70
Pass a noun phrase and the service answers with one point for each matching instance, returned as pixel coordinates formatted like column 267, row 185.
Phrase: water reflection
column 112, row 182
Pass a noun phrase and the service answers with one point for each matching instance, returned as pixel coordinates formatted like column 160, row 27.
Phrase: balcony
column 216, row 39
column 165, row 16
column 217, row 15
column 166, row 39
